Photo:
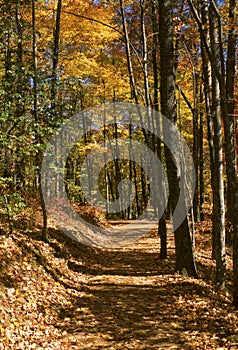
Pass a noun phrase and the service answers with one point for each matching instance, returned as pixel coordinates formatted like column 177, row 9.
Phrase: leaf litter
column 64, row 295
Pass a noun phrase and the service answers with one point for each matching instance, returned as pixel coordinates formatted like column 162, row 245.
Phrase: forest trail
column 70, row 296
column 128, row 306
column 135, row 301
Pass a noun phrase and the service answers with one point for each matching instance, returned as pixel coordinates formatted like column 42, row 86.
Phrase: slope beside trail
column 63, row 295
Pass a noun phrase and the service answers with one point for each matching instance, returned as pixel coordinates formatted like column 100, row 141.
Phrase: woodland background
column 177, row 57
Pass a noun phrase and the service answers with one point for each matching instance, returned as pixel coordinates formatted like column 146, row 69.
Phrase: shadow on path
column 130, row 299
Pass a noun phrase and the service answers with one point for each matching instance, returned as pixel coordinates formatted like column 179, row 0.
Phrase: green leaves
column 11, row 204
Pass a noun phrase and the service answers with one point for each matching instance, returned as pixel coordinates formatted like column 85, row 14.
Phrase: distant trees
column 37, row 88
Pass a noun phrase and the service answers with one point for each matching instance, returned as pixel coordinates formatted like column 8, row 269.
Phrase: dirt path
column 128, row 299
column 135, row 301
column 64, row 295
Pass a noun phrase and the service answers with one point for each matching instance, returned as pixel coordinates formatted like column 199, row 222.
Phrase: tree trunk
column 232, row 185
column 133, row 85
column 201, row 161
column 55, row 59
column 206, row 71
column 162, row 229
column 218, row 67
column 195, row 145
column 218, row 191
column 232, row 188
column 128, row 55
column 183, row 245
column 35, row 114
column 145, row 54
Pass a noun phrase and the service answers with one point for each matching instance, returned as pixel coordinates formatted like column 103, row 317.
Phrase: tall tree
column 38, row 140
column 55, row 56
column 218, row 191
column 217, row 62
column 162, row 229
column 232, row 189
column 183, row 244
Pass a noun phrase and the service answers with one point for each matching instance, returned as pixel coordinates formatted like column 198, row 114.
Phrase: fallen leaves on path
column 63, row 295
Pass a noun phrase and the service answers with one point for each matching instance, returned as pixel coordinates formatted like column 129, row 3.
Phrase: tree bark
column 183, row 245
column 162, row 229
column 35, row 114
column 55, row 58
column 218, row 190
column 230, row 83
column 201, row 159
column 232, row 188
column 218, row 67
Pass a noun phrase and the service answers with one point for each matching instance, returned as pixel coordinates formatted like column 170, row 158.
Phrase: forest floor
column 64, row 295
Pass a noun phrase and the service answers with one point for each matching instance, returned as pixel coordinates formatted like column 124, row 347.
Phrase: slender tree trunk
column 232, row 188
column 19, row 109
column 55, row 58
column 183, row 244
column 143, row 187
column 133, row 85
column 130, row 209
column 128, row 54
column 145, row 54
column 117, row 164
column 154, row 57
column 35, row 113
column 137, row 207
column 230, row 83
column 206, row 70
column 201, row 160
column 218, row 190
column 162, row 230
column 195, row 145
